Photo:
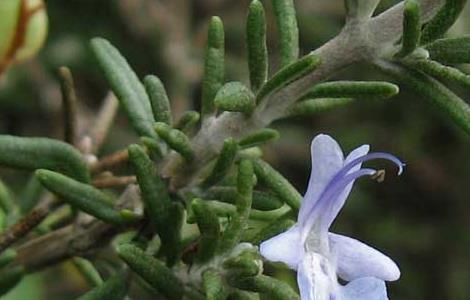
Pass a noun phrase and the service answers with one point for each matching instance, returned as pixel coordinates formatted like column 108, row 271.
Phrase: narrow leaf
column 437, row 70
column 176, row 139
column 233, row 233
column 208, row 224
column 451, row 50
column 433, row 91
column 314, row 106
column 223, row 164
column 9, row 278
column 274, row 228
column 353, row 89
column 247, row 263
column 261, row 200
column 188, row 121
column 158, row 99
column 256, row 45
column 288, row 74
column 88, row 271
column 30, row 195
column 288, row 31
column 442, row 21
column 7, row 203
column 277, row 183
column 214, row 286
column 157, row 201
column 126, row 85
column 259, row 137
column 411, row 28
column 7, row 257
column 82, row 196
column 115, row 288
column 234, row 96
column 214, row 67
column 42, row 153
column 152, row 270
column 274, row 288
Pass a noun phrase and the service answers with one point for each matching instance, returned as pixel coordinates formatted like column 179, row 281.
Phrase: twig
column 69, row 105
column 356, row 42
column 113, row 181
column 104, row 121
column 110, row 161
column 27, row 223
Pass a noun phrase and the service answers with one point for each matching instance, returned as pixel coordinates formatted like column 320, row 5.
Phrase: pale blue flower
column 320, row 257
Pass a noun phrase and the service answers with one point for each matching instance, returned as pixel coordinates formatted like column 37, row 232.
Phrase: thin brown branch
column 109, row 161
column 104, row 121
column 109, row 182
column 69, row 105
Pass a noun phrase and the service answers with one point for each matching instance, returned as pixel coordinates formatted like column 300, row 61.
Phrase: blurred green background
column 421, row 220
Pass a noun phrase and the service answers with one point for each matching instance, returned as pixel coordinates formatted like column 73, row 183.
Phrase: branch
column 357, row 41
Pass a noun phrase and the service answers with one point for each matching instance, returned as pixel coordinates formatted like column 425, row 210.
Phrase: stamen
column 378, row 176
column 368, row 157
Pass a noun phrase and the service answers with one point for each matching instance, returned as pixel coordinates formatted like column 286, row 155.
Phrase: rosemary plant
column 200, row 200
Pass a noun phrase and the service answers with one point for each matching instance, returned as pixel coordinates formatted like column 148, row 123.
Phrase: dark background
column 421, row 219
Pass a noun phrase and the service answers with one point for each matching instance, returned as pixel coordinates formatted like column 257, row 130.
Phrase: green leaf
column 246, row 263
column 42, row 153
column 261, row 200
column 115, row 288
column 288, row 74
column 157, row 201
column 259, row 137
column 411, row 28
column 9, row 278
column 214, row 65
column 437, row 94
column 176, row 139
column 158, row 99
column 274, row 288
column 174, row 228
column 188, row 121
column 126, row 85
column 7, row 257
column 30, row 195
column 442, row 21
column 214, row 286
column 256, row 45
column 82, row 196
column 277, row 183
column 6, row 199
column 314, row 106
column 209, row 226
column 244, row 295
column 437, row 70
column 245, row 183
column 276, row 227
column 88, row 271
column 221, row 209
column 353, row 89
column 152, row 270
column 223, row 164
column 286, row 22
column 234, row 96
column 451, row 50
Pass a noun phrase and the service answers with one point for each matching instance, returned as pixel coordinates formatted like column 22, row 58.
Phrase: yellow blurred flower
column 23, row 30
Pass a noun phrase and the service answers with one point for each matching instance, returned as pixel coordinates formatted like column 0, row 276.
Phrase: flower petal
column 339, row 203
column 366, row 288
column 285, row 247
column 316, row 278
column 327, row 160
column 355, row 259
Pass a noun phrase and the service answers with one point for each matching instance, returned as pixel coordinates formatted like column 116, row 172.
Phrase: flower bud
column 23, row 28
